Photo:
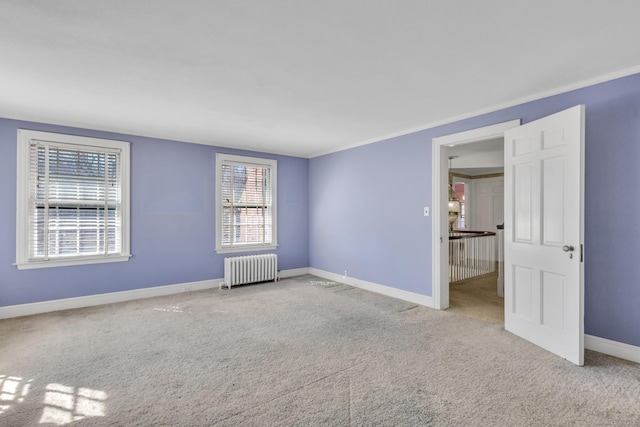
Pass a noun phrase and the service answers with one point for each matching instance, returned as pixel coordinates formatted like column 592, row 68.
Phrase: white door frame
column 440, row 238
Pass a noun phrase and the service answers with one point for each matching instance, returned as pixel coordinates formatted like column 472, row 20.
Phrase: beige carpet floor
column 300, row 352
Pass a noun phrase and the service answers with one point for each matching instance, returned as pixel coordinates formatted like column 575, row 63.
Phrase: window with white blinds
column 73, row 200
column 246, row 203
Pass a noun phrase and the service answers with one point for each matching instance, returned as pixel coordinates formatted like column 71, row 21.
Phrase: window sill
column 70, row 262
column 253, row 248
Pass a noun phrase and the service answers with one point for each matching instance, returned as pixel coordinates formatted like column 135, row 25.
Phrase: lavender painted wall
column 366, row 205
column 172, row 220
column 366, row 213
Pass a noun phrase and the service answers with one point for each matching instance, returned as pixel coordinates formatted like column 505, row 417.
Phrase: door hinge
column 441, row 241
column 581, row 252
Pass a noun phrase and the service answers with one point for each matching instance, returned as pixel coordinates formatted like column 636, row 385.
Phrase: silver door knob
column 568, row 248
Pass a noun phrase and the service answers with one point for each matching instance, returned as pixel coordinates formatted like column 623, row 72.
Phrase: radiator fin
column 250, row 269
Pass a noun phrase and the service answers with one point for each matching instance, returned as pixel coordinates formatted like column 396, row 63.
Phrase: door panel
column 544, row 293
column 553, row 300
column 522, row 291
column 522, row 145
column 523, row 187
column 553, row 201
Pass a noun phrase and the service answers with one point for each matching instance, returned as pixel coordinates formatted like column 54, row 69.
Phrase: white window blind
column 246, row 208
column 75, row 201
column 74, row 206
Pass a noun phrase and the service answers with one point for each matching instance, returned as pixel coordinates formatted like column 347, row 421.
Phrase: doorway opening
column 472, row 144
column 476, row 175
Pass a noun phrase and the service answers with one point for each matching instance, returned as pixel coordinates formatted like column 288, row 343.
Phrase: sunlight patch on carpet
column 170, row 309
column 12, row 391
column 320, row 283
column 65, row 404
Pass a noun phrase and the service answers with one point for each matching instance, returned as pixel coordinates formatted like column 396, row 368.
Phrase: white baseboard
column 424, row 300
column 612, row 348
column 293, row 272
column 91, row 300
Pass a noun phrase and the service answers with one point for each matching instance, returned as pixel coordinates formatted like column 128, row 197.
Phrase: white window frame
column 248, row 161
column 23, row 230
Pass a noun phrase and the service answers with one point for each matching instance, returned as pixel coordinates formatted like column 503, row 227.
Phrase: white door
column 544, row 188
column 488, row 204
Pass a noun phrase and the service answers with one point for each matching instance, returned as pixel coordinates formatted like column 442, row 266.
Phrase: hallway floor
column 477, row 298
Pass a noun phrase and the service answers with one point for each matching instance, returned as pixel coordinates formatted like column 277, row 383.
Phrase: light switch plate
column 426, row 211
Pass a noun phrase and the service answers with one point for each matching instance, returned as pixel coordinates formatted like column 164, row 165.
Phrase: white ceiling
column 479, row 158
column 298, row 77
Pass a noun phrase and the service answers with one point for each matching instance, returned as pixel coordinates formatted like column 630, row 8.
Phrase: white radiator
column 250, row 269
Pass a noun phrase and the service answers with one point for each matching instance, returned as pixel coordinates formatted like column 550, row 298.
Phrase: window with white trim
column 72, row 200
column 246, row 203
